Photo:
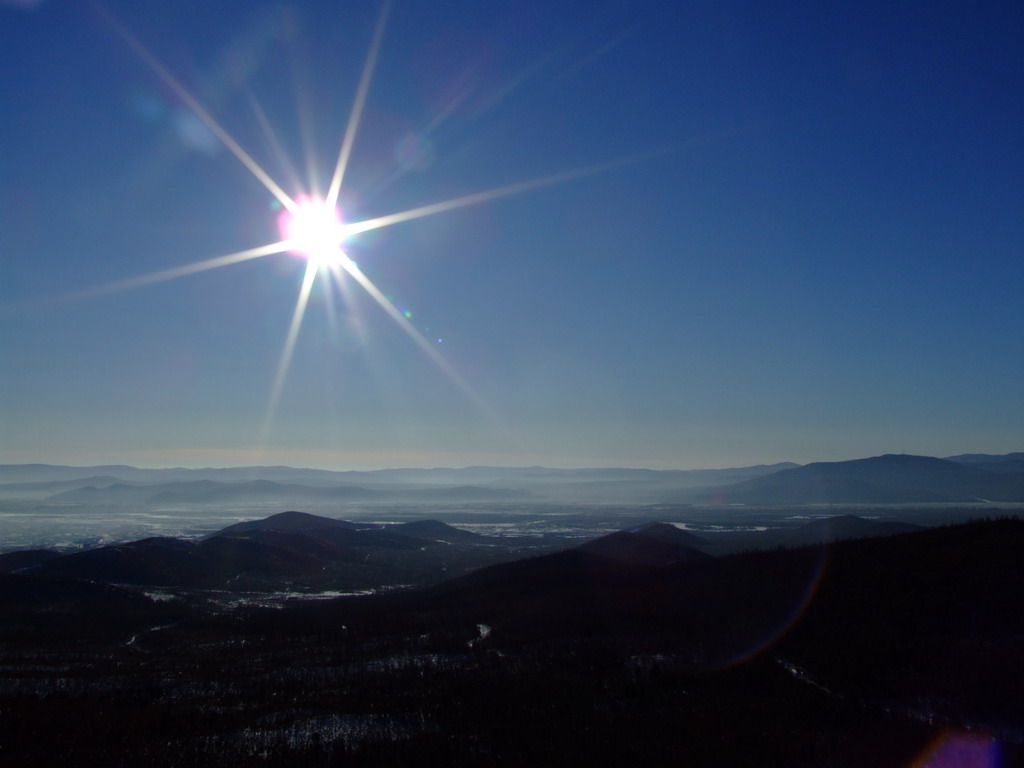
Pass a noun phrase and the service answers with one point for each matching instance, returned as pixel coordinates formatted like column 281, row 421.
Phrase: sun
column 312, row 227
column 313, row 230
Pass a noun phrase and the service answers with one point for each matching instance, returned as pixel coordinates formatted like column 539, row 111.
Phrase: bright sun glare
column 312, row 227
column 313, row 230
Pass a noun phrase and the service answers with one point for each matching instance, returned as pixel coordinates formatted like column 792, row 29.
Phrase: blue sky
column 810, row 250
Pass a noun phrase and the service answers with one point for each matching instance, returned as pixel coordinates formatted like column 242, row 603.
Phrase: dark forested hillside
column 877, row 651
column 290, row 551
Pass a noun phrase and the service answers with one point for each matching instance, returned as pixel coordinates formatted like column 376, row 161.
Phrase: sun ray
column 184, row 270
column 561, row 177
column 284, row 363
column 303, row 113
column 482, row 197
column 355, row 117
column 268, row 131
column 345, row 290
column 319, row 238
column 197, row 109
column 332, row 276
column 357, row 274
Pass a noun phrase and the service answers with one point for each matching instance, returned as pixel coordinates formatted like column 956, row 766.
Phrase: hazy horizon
column 354, row 467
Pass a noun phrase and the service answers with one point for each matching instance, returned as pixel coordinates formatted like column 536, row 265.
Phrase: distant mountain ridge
column 213, row 492
column 888, row 479
column 986, row 458
column 296, row 486
column 42, row 473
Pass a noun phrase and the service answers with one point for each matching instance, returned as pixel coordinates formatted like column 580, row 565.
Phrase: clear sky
column 806, row 243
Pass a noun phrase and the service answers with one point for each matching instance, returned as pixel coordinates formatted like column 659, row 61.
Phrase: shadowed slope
column 651, row 544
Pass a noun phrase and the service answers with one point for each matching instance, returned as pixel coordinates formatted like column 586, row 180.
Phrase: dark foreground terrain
column 898, row 651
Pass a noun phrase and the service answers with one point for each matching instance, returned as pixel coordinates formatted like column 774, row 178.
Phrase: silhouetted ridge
column 25, row 558
column 670, row 533
column 651, row 544
column 843, row 527
column 287, row 521
column 157, row 560
column 291, row 551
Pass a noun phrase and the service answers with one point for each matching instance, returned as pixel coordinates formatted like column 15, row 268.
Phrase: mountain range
column 301, row 552
column 888, row 479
